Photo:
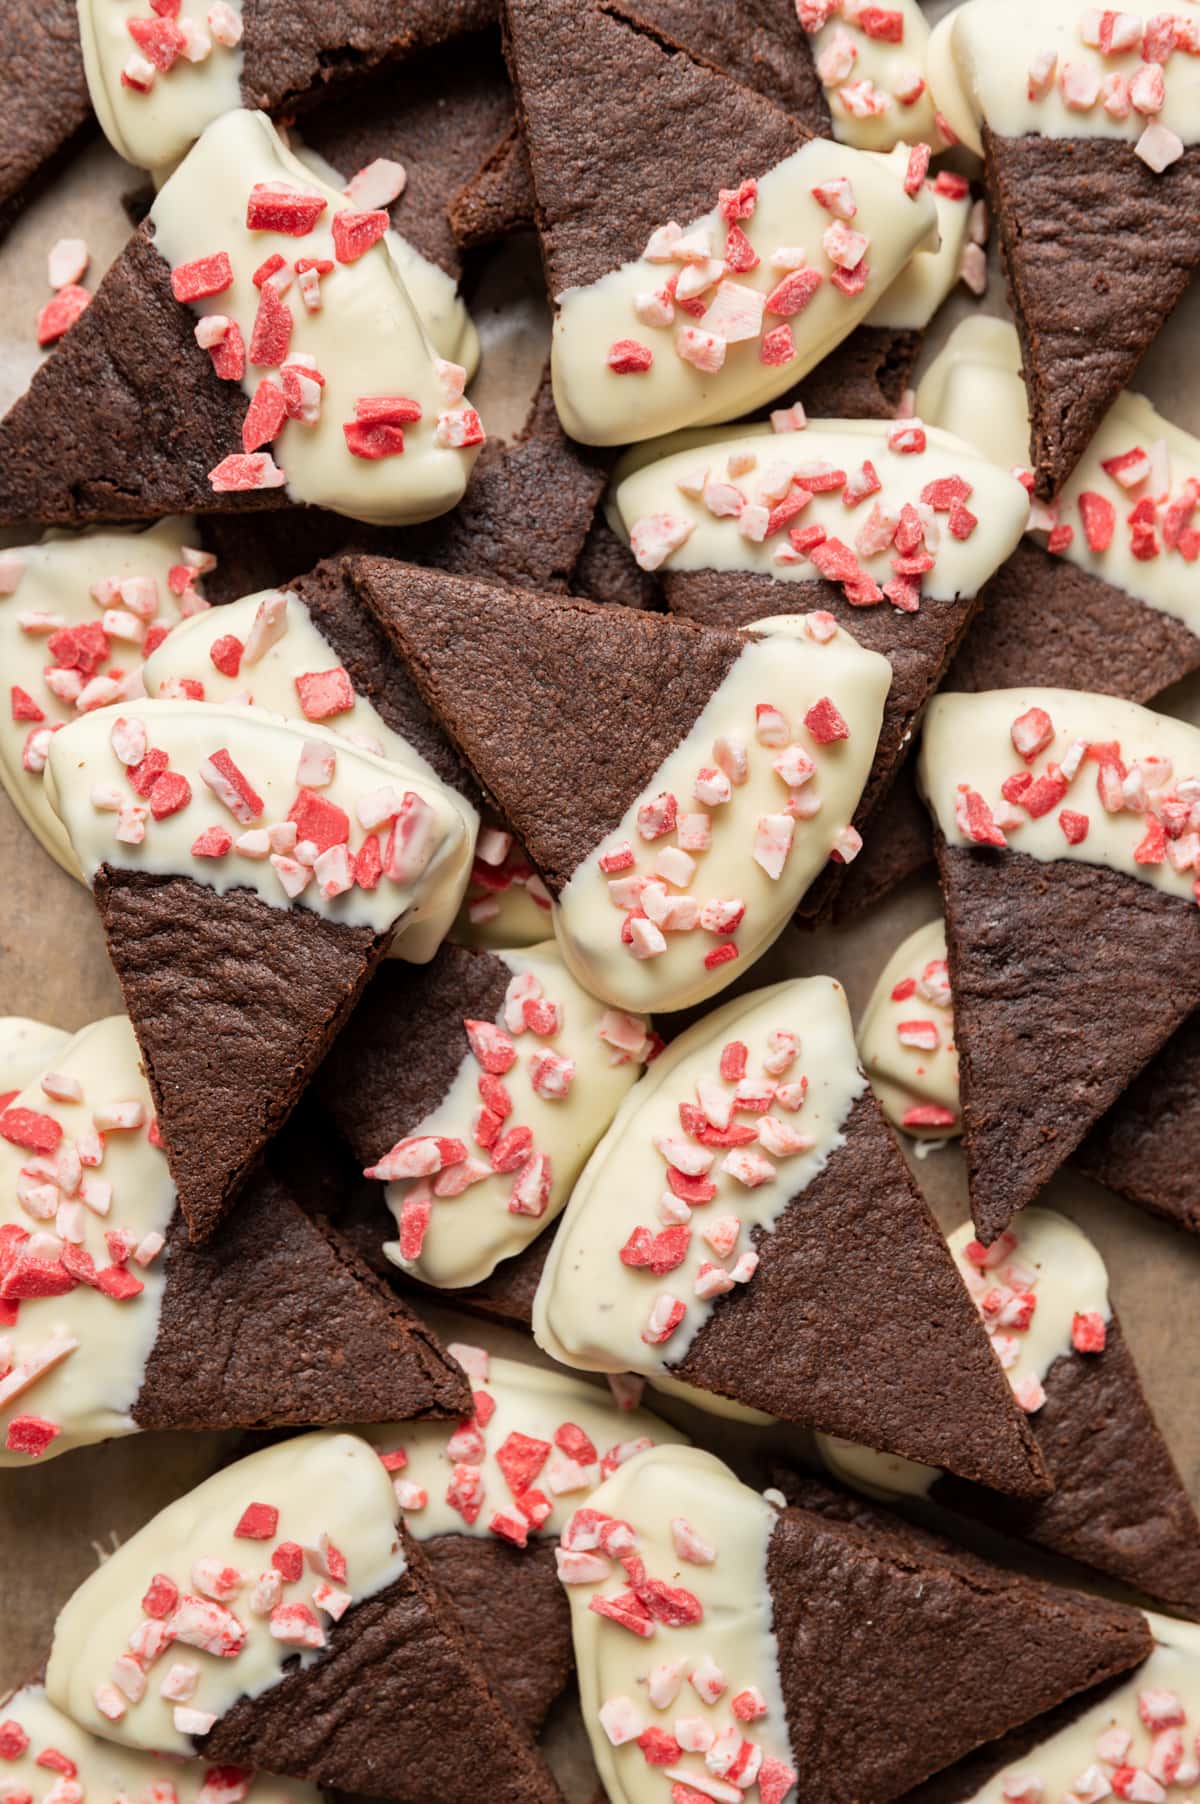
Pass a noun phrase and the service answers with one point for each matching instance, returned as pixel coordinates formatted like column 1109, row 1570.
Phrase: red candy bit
column 521, row 1458
column 510, row 1528
column 882, row 23
column 229, row 356
column 231, row 787
column 324, row 693
column 271, row 209
column 206, row 275
column 536, row 1508
column 510, row 1153
column 214, row 842
column 28, row 1128
column 258, row 1522
column 60, row 313
column 626, row 357
column 740, row 254
column 792, row 295
column 268, row 268
column 13, row 1740
column 962, row 522
column 373, row 442
column 1099, row 518
column 1152, row 848
column 1059, row 539
column 735, row 1055
column 975, row 820
column 31, row 1435
column 575, row 1443
column 627, row 1611
column 118, row 1283
column 491, row 1046
column 168, row 794
column 659, row 1748
column 368, row 864
column 57, row 1762
column 928, row 1115
column 272, row 333
column 776, row 348
column 1031, row 733
column 240, row 473
column 918, row 168
column 226, row 654
column 464, row 1493
column 23, row 705
column 695, row 1191
column 738, row 203
column 1089, row 1331
column 288, row 1561
column 1045, row 792
column 265, row 415
column 852, row 282
column 162, row 1595
column 825, row 722
column 720, row 955
column 318, row 820
column 387, row 410
column 355, row 233
column 1074, row 826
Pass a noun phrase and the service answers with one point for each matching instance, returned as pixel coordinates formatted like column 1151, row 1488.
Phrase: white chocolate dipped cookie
column 302, row 298
column 78, row 614
column 871, row 61
column 906, row 1038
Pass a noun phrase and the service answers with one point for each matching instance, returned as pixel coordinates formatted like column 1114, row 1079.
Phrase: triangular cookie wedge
column 115, row 1323
column 1066, row 855
column 893, row 530
column 488, row 1502
column 38, row 1738
column 769, row 279
column 1093, row 171
column 1042, row 1293
column 132, row 417
column 475, row 1089
column 238, row 959
column 731, row 1232
column 768, row 1622
column 1116, row 1736
column 311, row 1635
column 1143, row 1147
column 152, row 114
column 1102, row 592
column 45, row 98
column 632, row 752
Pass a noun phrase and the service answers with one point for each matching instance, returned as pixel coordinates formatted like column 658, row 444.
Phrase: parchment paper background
column 55, row 1520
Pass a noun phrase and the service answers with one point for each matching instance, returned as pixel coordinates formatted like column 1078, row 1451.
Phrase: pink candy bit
column 201, row 1623
column 377, row 184
column 1158, row 146
column 324, row 693
column 918, row 168
column 232, row 788
column 237, row 473
column 258, row 1522
column 665, row 1316
column 825, row 722
column 627, row 1611
column 1089, row 1332
column 626, row 357
column 66, row 262
column 59, row 315
column 355, row 233
column 975, row 820
column 296, row 1625
column 274, row 208
column 654, row 537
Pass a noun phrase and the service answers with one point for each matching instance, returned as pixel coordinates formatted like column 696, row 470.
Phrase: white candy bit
column 109, row 1702
column 663, row 1683
column 452, row 378
column 773, row 835
column 330, row 1598
column 735, row 313
column 781, row 1139
column 847, row 844
column 268, row 627
column 654, row 307
column 621, row 1720
column 61, row 1087
column 972, row 268
column 685, row 1155
column 377, row 184
column 131, row 823
column 225, row 24
column 672, row 1210
column 137, row 72
column 180, row 1682
column 192, row 1722
column 666, row 1313
column 689, row 1545
column 294, row 878
column 1042, row 70
column 296, row 1626
column 1023, row 1788
column 333, row 872
column 66, row 262
column 653, row 538
column 707, row 1680
column 410, row 1496
column 749, row 1167
column 196, row 42
column 646, row 940
column 660, row 246
column 148, row 1248
column 729, row 752
column 674, row 866
column 703, row 350
column 1029, row 1394
column 128, row 740
column 12, row 568
column 1159, row 147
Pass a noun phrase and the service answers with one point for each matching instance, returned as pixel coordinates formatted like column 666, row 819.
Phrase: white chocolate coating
column 532, row 1401
column 715, row 542
column 1043, row 1255
column 967, row 740
column 791, row 671
column 591, row 1308
column 27, row 1048
column 979, row 60
column 511, row 916
column 107, row 1774
column 929, row 276
column 735, row 1634
column 267, row 751
column 905, row 1076
column 887, row 67
column 974, row 388
column 603, row 408
column 270, row 683
column 153, row 130
column 56, row 579
column 90, row 1392
column 321, row 1484
column 1061, row 1762
column 368, row 338
column 469, row 1235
